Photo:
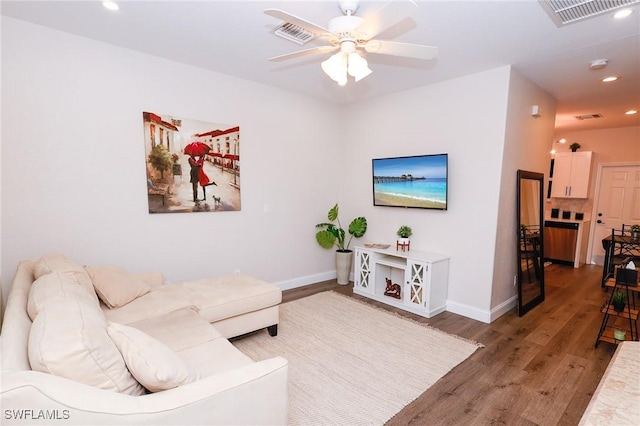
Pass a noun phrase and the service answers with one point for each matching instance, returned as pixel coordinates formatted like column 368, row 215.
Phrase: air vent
column 565, row 12
column 293, row 33
column 588, row 116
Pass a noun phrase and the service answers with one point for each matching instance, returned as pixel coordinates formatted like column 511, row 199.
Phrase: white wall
column 464, row 117
column 73, row 176
column 526, row 148
column 73, row 163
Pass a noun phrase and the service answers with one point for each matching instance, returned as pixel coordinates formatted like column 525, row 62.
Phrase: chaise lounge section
column 98, row 345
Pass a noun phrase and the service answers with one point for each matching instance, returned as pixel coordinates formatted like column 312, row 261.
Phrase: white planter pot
column 343, row 266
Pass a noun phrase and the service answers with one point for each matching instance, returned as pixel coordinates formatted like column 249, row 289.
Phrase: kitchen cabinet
column 566, row 241
column 571, row 174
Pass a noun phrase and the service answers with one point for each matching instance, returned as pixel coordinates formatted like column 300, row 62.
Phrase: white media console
column 422, row 277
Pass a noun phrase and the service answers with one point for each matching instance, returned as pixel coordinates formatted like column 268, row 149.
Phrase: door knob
column 599, row 214
column 598, row 221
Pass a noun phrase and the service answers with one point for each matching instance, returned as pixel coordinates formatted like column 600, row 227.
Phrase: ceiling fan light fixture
column 358, row 67
column 336, row 68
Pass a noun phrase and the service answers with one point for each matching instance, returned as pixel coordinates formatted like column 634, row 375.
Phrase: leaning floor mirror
column 530, row 234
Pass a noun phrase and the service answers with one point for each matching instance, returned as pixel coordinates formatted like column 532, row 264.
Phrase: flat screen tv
column 418, row 181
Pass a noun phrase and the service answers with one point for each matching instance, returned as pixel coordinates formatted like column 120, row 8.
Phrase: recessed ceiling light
column 622, row 13
column 631, row 112
column 610, row 79
column 563, row 140
column 111, row 5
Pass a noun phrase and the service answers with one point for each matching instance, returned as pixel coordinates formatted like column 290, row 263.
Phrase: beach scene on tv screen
column 419, row 181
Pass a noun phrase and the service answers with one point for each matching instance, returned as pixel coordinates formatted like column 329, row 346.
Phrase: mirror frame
column 523, row 308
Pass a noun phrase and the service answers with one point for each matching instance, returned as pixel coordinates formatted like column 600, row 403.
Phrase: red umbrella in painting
column 195, row 149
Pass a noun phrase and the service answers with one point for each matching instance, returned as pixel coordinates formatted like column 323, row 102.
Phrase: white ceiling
column 233, row 37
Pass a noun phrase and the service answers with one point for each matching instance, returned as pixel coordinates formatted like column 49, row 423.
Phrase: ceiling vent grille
column 588, row 116
column 565, row 12
column 293, row 33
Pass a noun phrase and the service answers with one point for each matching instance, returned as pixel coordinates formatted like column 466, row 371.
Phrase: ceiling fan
column 348, row 33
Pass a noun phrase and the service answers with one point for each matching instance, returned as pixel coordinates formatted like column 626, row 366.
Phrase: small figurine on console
column 392, row 290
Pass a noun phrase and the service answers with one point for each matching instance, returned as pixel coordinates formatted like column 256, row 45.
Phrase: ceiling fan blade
column 395, row 48
column 287, row 17
column 306, row 52
column 386, row 17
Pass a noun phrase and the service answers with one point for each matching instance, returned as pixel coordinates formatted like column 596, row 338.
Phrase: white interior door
column 617, row 202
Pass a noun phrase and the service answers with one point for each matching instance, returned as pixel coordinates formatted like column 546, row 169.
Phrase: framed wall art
column 191, row 165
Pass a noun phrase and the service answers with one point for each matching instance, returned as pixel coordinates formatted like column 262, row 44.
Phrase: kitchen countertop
column 559, row 219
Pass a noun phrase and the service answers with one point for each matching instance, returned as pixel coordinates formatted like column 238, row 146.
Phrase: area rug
column 351, row 363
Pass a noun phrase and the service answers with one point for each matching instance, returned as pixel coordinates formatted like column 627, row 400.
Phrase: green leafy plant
column 618, row 300
column 332, row 234
column 404, row 231
column 635, row 228
column 574, row 146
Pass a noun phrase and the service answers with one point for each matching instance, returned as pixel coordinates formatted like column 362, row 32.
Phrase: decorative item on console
column 392, row 290
column 574, row 146
column 404, row 232
column 635, row 231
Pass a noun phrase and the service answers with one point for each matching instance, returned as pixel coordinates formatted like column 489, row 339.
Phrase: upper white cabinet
column 571, row 172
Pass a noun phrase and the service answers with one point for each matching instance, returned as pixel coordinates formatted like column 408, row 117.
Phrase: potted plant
column 574, row 146
column 618, row 300
column 635, row 231
column 404, row 232
column 523, row 230
column 332, row 234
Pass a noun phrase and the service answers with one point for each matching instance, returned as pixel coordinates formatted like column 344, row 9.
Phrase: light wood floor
column 540, row 369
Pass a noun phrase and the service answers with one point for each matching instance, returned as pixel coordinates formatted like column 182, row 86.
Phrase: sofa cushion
column 151, row 362
column 60, row 263
column 196, row 341
column 56, row 286
column 215, row 357
column 159, row 301
column 230, row 295
column 179, row 330
column 68, row 338
column 115, row 286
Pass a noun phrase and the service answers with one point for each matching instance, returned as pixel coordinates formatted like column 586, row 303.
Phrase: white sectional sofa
column 98, row 345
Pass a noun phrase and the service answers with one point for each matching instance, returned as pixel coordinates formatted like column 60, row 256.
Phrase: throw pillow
column 115, row 286
column 60, row 263
column 69, row 339
column 151, row 362
column 56, row 286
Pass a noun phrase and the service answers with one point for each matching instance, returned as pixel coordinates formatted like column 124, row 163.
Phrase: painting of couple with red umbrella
column 191, row 165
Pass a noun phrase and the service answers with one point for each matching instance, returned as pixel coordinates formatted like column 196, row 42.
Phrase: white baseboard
column 306, row 280
column 504, row 307
column 454, row 307
column 480, row 314
column 469, row 311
